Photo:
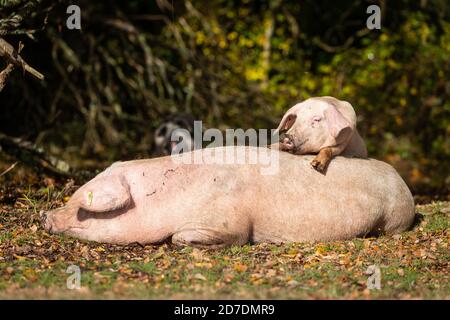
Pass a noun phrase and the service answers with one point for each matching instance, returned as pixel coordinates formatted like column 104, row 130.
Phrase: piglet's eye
column 316, row 119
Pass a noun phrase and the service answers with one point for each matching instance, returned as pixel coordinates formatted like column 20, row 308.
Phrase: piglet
column 324, row 126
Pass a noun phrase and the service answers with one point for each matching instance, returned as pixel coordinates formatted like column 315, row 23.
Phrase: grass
column 33, row 263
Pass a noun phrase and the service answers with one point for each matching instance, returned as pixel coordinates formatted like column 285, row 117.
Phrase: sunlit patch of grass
column 33, row 263
column 149, row 267
column 437, row 223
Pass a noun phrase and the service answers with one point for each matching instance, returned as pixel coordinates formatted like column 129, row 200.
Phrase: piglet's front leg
column 323, row 158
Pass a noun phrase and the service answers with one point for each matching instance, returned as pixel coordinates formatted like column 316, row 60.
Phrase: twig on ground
column 9, row 169
column 30, row 154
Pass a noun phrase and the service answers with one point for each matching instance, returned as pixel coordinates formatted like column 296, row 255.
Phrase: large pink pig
column 215, row 205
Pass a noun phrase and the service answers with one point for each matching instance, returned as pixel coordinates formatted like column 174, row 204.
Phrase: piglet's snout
column 286, row 142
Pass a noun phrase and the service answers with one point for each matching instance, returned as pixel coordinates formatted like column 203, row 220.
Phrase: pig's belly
column 318, row 218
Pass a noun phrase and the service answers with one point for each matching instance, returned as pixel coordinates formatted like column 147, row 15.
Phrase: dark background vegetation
column 233, row 64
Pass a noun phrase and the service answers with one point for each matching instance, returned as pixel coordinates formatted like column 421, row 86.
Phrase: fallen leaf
column 240, row 267
column 199, row 276
column 197, row 254
column 293, row 283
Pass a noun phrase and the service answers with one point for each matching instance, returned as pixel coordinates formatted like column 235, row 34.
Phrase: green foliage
column 238, row 64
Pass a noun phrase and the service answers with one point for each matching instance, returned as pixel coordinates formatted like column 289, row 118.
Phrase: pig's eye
column 316, row 119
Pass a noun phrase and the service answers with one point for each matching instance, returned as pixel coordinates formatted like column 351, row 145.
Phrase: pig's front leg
column 199, row 238
column 208, row 238
column 214, row 230
column 323, row 158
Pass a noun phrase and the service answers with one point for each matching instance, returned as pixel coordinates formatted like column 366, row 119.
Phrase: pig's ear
column 340, row 130
column 105, row 194
column 287, row 121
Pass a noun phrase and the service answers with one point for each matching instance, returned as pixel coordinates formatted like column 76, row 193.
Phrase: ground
column 33, row 263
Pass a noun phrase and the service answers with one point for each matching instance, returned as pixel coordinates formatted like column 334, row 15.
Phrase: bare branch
column 12, row 56
column 4, row 75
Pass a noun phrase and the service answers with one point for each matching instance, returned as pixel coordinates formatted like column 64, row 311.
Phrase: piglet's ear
column 287, row 121
column 339, row 128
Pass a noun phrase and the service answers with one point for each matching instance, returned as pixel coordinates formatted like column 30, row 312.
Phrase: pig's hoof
column 318, row 166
